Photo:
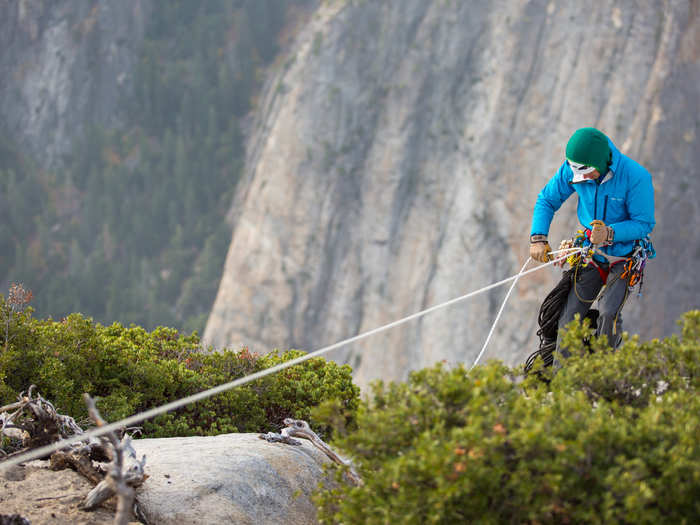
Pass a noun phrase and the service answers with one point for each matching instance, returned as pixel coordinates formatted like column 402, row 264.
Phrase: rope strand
column 179, row 403
column 500, row 311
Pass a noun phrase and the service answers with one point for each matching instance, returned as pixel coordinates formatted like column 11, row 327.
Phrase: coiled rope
column 548, row 320
column 179, row 403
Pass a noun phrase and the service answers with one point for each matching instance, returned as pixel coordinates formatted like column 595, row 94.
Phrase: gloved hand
column 600, row 233
column 539, row 248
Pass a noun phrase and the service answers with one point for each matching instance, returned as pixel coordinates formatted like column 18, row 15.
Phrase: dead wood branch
column 78, row 460
column 35, row 422
column 56, row 497
column 300, row 428
column 119, row 480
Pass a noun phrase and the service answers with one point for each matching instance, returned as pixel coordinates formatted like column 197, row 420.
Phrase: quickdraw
column 634, row 266
column 632, row 271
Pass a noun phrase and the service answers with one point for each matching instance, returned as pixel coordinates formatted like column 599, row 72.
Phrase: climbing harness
column 552, row 306
column 634, row 263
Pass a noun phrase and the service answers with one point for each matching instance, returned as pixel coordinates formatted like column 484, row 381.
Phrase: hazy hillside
column 121, row 146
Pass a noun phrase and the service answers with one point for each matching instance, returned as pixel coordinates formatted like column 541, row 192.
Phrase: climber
column 616, row 206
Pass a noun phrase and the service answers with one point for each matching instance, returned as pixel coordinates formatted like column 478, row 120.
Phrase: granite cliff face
column 396, row 156
column 63, row 65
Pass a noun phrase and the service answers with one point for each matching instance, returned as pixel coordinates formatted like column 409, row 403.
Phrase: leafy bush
column 130, row 369
column 612, row 439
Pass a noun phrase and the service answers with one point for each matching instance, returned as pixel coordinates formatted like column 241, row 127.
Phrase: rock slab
column 231, row 478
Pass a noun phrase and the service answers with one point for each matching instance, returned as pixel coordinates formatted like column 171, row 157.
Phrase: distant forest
column 132, row 228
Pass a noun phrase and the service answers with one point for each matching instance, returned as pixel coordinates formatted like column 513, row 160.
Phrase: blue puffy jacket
column 623, row 200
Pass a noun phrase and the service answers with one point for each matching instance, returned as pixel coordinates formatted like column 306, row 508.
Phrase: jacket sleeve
column 550, row 199
column 640, row 206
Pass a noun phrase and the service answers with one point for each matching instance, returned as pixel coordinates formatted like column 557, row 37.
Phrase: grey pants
column 583, row 293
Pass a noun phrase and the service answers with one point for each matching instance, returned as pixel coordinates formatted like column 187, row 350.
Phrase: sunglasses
column 579, row 169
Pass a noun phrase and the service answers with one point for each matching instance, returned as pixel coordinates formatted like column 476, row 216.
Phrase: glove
column 600, row 233
column 539, row 248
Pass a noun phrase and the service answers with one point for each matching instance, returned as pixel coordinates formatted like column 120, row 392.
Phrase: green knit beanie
column 589, row 146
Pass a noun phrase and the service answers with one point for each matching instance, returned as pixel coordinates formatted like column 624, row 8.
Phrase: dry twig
column 300, row 428
column 35, row 422
column 17, row 301
column 119, row 481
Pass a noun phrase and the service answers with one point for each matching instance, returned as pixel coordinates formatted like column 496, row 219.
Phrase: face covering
column 579, row 171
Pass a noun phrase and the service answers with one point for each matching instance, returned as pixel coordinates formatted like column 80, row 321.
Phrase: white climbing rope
column 179, row 403
column 500, row 311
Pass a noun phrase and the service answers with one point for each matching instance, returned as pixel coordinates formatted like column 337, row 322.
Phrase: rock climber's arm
column 550, row 199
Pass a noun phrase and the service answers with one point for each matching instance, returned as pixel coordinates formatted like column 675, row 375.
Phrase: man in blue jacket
column 616, row 206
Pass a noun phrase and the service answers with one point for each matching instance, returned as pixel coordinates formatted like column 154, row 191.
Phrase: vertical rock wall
column 398, row 153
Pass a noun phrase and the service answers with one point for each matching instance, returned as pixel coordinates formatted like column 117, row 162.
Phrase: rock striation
column 396, row 155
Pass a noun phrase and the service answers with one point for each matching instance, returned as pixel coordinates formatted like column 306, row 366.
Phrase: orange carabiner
column 628, row 270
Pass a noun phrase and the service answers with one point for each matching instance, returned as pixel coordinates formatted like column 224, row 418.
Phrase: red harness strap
column 602, row 271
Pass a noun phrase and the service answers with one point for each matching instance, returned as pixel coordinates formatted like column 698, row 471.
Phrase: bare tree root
column 80, row 461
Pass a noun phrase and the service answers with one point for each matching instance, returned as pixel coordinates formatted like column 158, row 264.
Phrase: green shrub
column 130, row 370
column 612, row 439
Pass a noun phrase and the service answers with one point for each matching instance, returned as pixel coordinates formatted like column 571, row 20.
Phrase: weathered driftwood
column 300, row 428
column 106, row 488
column 119, row 480
column 78, row 460
column 9, row 430
column 33, row 421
